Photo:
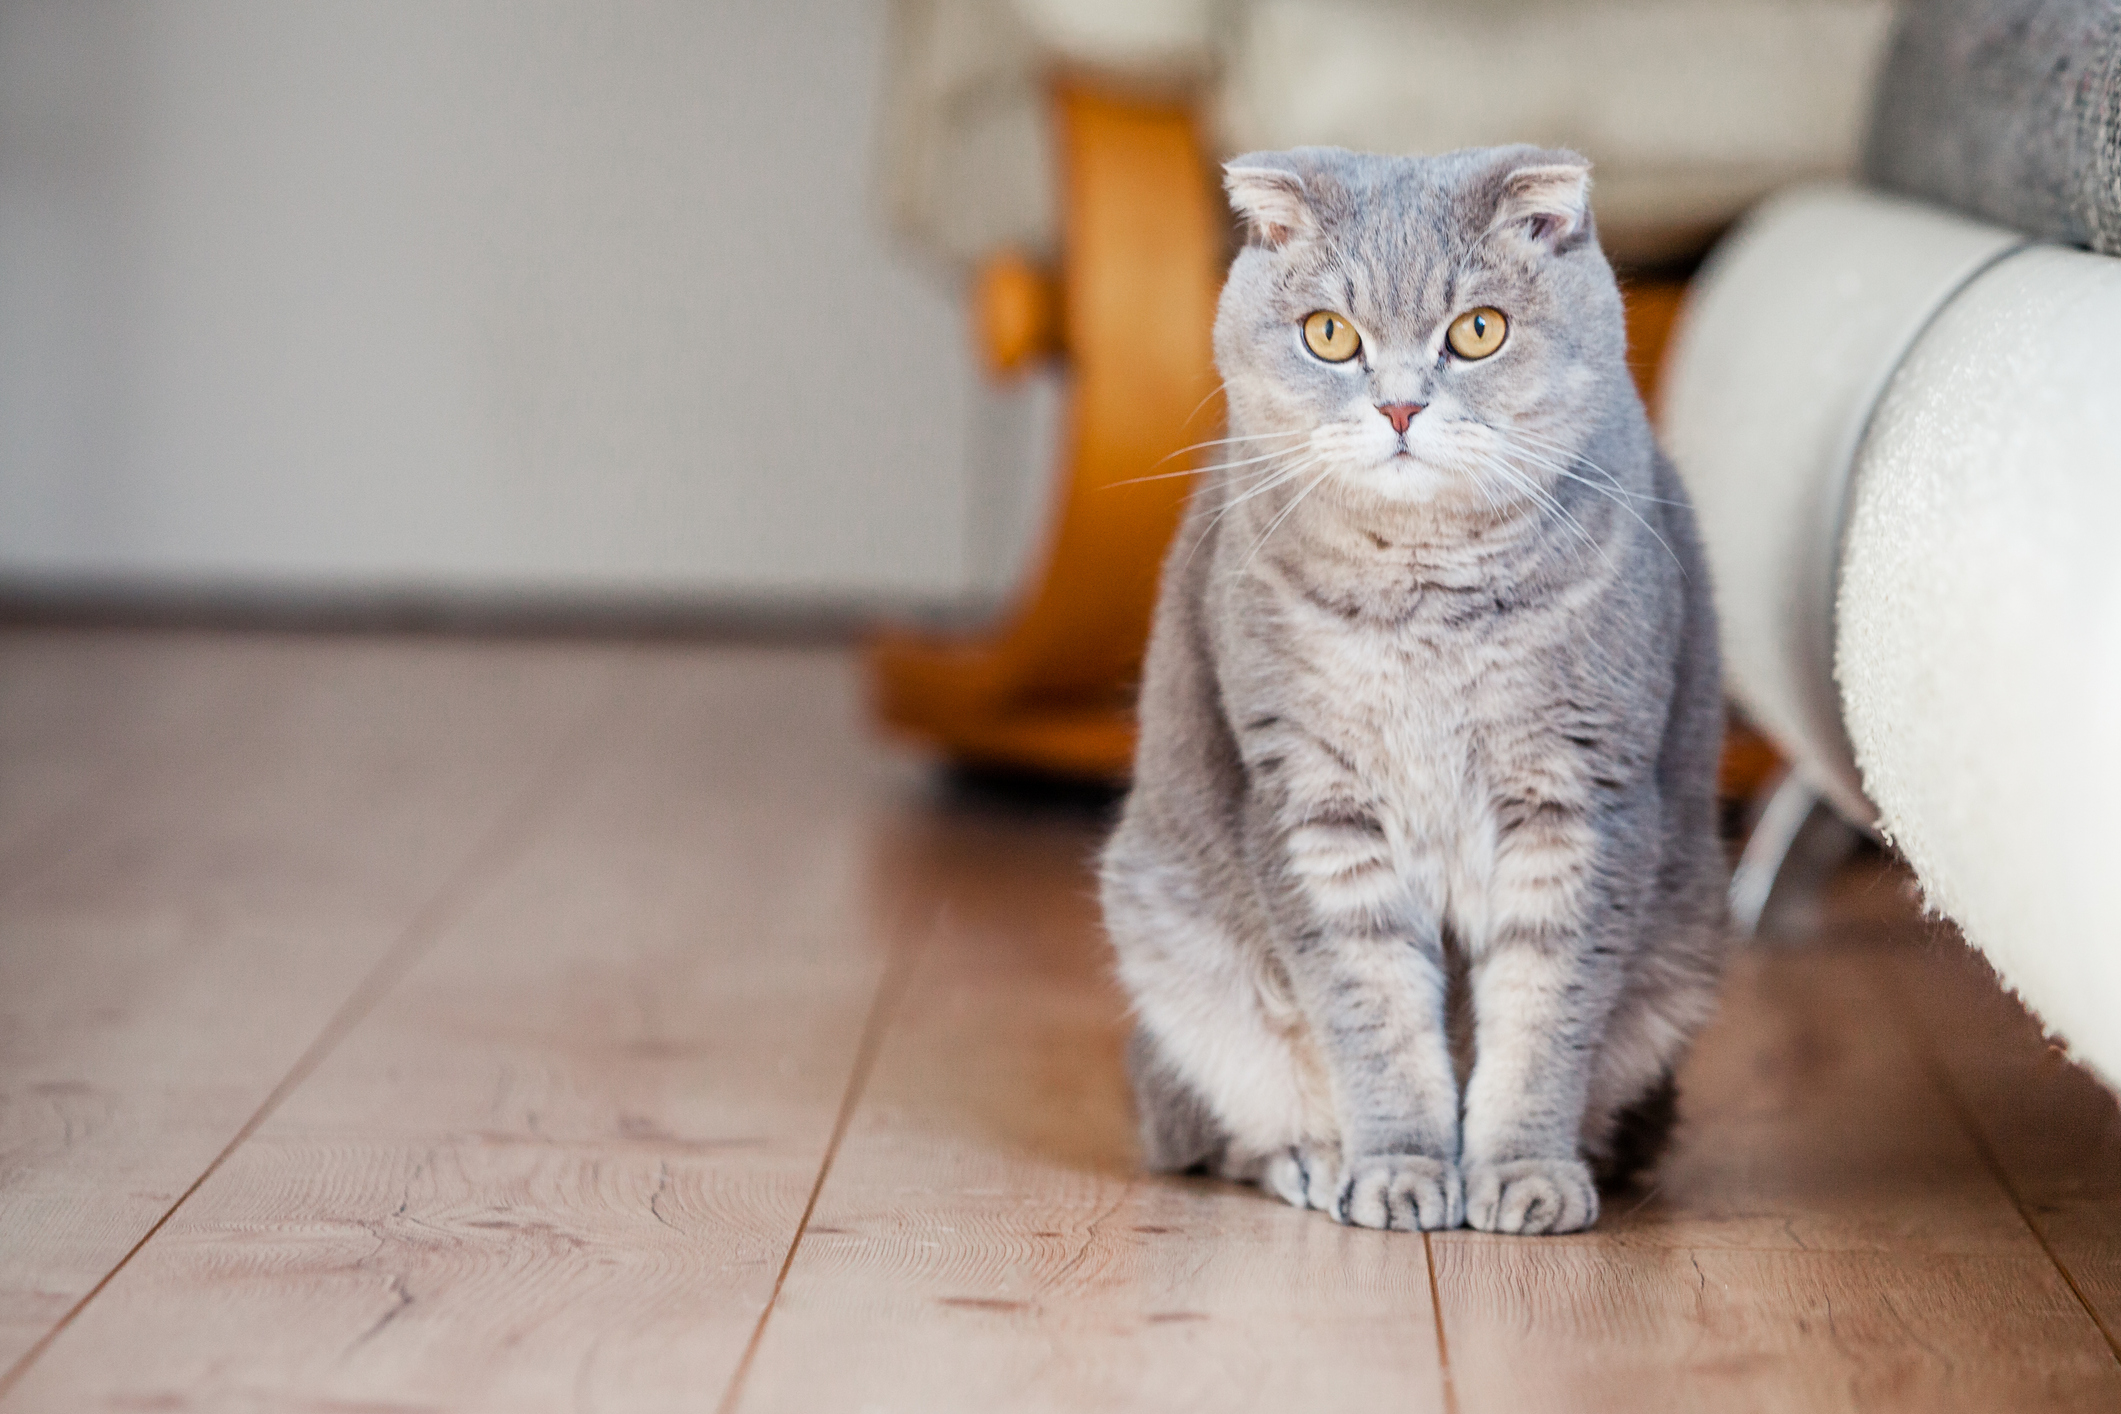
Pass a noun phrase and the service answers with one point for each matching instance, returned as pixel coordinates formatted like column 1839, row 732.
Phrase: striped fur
column 1424, row 735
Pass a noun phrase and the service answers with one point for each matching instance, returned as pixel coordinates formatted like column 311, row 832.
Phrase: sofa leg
column 1795, row 841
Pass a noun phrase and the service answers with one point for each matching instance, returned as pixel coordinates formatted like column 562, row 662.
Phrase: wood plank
column 985, row 1242
column 1825, row 1235
column 562, row 1162
column 50, row 770
column 82, row 717
column 261, row 820
column 1808, row 1125
column 1597, row 1326
column 2049, row 1127
column 560, row 1166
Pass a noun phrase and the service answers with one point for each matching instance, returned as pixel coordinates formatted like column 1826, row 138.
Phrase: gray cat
column 1429, row 722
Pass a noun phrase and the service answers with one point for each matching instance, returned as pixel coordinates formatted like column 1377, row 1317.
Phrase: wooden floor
column 404, row 1025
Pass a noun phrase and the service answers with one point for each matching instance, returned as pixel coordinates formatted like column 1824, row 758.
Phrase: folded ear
column 1549, row 204
column 1272, row 201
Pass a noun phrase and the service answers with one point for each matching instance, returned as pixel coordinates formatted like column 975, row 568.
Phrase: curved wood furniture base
column 1051, row 688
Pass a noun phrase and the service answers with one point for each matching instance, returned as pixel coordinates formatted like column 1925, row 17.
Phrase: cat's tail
column 1641, row 1132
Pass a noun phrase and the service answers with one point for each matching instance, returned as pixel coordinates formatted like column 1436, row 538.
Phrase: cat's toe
column 1406, row 1192
column 1303, row 1176
column 1531, row 1196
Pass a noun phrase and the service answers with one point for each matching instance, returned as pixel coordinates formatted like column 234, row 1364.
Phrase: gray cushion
column 2009, row 110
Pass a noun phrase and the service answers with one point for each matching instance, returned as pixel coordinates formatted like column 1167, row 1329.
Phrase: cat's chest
column 1436, row 716
column 1396, row 694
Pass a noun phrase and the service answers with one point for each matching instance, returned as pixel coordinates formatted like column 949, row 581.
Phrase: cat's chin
column 1411, row 483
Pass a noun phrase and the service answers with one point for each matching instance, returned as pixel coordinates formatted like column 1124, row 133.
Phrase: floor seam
column 890, row 990
column 499, row 845
column 1962, row 1111
column 1443, row 1346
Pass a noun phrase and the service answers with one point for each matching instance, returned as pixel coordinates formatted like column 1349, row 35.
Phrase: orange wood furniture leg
column 1051, row 687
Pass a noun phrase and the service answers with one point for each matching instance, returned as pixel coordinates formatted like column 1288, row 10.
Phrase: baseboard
column 734, row 618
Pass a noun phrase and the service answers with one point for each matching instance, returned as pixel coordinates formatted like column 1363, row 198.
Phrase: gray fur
column 1410, row 719
column 2008, row 109
column 1178, row 1132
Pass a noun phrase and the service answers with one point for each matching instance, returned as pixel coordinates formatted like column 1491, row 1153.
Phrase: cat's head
column 1418, row 329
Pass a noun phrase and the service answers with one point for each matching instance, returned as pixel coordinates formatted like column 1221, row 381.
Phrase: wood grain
column 1600, row 1326
column 1825, row 1235
column 560, row 1166
column 2051, row 1131
column 739, row 962
column 249, row 826
column 984, row 1241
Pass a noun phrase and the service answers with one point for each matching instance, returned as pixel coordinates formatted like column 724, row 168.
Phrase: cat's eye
column 1477, row 333
column 1331, row 337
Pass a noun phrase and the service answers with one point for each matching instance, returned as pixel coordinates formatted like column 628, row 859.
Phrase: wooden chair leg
column 1050, row 688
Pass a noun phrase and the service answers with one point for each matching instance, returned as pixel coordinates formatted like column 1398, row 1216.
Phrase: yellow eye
column 1331, row 337
column 1477, row 333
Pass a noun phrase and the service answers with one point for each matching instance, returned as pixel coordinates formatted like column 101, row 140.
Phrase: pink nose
column 1401, row 414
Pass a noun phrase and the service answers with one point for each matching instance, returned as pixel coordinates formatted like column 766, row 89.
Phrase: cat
column 1429, row 722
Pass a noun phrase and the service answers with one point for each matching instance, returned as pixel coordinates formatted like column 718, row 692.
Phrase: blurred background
column 640, row 305
column 545, row 303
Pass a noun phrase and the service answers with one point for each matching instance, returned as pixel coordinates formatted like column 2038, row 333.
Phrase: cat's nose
column 1401, row 415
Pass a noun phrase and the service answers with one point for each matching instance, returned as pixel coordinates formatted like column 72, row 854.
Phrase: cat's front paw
column 1406, row 1192
column 1304, row 1176
column 1530, row 1196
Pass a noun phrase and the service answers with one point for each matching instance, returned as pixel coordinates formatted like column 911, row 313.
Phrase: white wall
column 469, row 295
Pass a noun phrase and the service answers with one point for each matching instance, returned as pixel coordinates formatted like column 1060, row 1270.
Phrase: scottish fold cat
column 1418, row 893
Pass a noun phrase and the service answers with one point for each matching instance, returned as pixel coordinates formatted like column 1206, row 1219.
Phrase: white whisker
column 1617, row 498
column 1287, row 511
column 1228, row 441
column 1232, row 504
column 1288, row 473
column 1558, row 449
column 1546, row 501
column 1225, row 467
column 1220, row 387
